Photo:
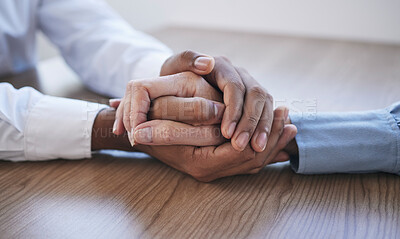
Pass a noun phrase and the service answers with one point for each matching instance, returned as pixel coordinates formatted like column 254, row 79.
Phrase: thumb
column 197, row 63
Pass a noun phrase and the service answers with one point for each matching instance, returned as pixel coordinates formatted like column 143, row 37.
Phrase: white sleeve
column 39, row 127
column 104, row 50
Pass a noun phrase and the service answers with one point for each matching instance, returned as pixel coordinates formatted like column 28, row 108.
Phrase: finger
column 282, row 156
column 289, row 132
column 194, row 110
column 165, row 132
column 280, row 136
column 226, row 161
column 127, row 116
column 114, row 103
column 225, row 77
column 263, row 129
column 277, row 130
column 118, row 127
column 200, row 64
column 255, row 99
column 142, row 92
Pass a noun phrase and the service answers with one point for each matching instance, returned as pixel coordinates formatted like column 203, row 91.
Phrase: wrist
column 103, row 136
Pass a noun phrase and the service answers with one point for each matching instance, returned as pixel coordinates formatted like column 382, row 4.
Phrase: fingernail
column 219, row 111
column 144, row 135
column 110, row 101
column 115, row 126
column 231, row 129
column 215, row 111
column 262, row 140
column 242, row 140
column 201, row 63
column 131, row 139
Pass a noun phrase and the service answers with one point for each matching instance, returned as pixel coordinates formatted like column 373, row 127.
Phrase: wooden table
column 129, row 195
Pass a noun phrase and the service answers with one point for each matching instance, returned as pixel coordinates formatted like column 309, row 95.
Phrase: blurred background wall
column 356, row 20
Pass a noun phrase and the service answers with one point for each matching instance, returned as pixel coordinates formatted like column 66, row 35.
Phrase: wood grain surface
column 129, row 195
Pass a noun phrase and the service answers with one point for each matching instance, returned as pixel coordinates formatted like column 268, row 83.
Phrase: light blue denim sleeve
column 357, row 142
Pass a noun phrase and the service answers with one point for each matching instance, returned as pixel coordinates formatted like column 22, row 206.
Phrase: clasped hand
column 207, row 102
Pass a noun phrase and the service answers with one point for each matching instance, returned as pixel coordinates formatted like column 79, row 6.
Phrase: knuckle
column 137, row 85
column 222, row 58
column 252, row 120
column 131, row 82
column 187, row 55
column 188, row 75
column 258, row 92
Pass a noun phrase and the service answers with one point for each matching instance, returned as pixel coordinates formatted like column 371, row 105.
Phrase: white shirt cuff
column 60, row 128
